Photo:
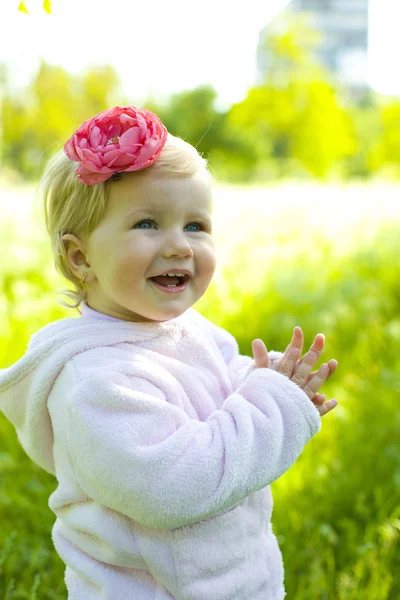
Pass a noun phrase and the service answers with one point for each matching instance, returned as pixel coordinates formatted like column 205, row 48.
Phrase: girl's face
column 151, row 226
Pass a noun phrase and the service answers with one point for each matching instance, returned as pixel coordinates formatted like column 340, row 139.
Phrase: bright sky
column 161, row 47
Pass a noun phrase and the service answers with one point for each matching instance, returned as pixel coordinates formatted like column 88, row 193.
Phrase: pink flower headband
column 116, row 140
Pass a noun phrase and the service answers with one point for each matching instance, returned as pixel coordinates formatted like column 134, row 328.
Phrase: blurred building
column 343, row 25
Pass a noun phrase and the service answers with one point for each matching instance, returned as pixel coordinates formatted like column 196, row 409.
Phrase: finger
column 319, row 399
column 328, row 406
column 315, row 350
column 332, row 364
column 313, row 385
column 287, row 363
column 260, row 353
column 301, row 373
column 295, row 342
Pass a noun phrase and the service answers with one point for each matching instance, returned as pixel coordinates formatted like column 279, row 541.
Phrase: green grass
column 337, row 509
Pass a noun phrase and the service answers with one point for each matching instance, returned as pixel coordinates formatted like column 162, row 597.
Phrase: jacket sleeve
column 142, row 456
column 239, row 365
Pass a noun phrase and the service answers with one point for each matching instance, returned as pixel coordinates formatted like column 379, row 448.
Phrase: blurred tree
column 387, row 149
column 38, row 121
column 295, row 111
column 367, row 121
column 98, row 86
column 324, row 133
column 287, row 51
column 191, row 116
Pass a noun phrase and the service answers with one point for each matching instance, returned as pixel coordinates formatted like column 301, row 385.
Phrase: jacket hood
column 25, row 386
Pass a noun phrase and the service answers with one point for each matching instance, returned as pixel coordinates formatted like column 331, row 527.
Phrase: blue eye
column 145, row 221
column 153, row 222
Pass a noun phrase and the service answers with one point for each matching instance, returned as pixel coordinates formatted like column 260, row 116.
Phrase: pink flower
column 116, row 140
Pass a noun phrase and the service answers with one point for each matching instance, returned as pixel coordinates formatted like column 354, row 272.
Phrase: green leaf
column 47, row 6
column 23, row 8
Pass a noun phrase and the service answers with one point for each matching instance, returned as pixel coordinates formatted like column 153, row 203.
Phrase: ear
column 75, row 250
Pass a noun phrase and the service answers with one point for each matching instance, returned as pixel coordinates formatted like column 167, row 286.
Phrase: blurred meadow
column 307, row 232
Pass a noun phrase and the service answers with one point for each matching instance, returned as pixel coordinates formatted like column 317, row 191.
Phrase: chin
column 166, row 315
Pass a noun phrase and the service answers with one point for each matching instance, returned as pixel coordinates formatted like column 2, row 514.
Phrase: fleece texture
column 164, row 441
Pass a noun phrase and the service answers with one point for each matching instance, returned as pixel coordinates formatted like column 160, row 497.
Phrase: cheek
column 208, row 258
column 133, row 262
column 126, row 266
column 133, row 255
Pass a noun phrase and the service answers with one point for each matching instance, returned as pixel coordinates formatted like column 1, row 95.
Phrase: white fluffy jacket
column 164, row 442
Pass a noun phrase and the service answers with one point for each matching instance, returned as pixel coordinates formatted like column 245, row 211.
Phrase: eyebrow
column 154, row 209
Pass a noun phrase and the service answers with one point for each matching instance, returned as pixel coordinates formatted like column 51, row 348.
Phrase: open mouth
column 171, row 283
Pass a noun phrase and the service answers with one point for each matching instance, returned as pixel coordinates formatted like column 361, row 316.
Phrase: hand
column 299, row 372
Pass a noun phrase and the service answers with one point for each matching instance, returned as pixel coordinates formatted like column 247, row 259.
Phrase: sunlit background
column 296, row 106
column 171, row 53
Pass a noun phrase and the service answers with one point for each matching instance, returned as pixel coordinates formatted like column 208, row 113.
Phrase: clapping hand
column 299, row 371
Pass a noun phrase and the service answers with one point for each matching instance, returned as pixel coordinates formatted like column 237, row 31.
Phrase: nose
column 177, row 244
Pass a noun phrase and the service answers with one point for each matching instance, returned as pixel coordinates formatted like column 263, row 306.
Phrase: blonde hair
column 74, row 207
